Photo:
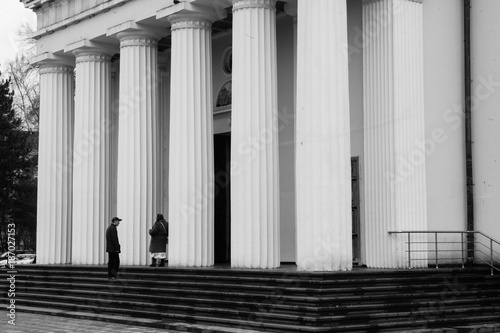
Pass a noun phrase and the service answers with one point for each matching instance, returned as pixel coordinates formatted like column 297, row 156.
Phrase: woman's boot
column 153, row 262
column 162, row 263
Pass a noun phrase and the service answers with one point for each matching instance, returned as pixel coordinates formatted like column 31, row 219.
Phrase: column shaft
column 255, row 239
column 55, row 165
column 163, row 133
column 323, row 175
column 92, row 157
column 191, row 184
column 115, row 111
column 137, row 152
column 395, row 186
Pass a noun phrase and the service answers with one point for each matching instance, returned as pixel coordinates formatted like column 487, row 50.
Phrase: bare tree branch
column 25, row 79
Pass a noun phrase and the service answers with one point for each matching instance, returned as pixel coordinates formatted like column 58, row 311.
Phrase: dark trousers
column 113, row 264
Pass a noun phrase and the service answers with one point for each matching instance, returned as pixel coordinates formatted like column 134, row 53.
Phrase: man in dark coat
column 113, row 248
column 159, row 241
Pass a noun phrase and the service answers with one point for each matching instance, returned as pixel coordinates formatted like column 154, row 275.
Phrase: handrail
column 492, row 262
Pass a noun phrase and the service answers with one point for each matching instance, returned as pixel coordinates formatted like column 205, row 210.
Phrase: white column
column 163, row 132
column 291, row 8
column 323, row 159
column 255, row 239
column 191, row 184
column 395, row 189
column 137, row 152
column 55, row 164
column 115, row 111
column 91, row 157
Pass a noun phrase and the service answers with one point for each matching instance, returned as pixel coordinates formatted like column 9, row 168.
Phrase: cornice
column 35, row 4
column 74, row 18
column 48, row 58
column 87, row 46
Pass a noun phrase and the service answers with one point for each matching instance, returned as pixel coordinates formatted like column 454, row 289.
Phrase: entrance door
column 355, row 210
column 222, row 204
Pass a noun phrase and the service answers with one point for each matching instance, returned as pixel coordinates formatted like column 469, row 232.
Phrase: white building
column 252, row 124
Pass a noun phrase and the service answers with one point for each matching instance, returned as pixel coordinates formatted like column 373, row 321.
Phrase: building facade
column 267, row 131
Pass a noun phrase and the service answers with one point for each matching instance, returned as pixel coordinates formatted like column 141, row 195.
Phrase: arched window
column 224, row 96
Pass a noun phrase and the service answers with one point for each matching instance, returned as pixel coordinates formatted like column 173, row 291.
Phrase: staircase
column 283, row 300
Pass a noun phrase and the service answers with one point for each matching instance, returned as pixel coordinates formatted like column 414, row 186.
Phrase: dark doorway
column 222, row 204
column 355, row 210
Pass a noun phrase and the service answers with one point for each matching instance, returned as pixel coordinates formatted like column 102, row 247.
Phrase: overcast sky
column 12, row 16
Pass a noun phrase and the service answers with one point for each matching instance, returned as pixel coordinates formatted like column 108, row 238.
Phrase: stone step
column 255, row 275
column 281, row 306
column 169, row 308
column 268, row 300
column 394, row 285
column 339, row 295
column 149, row 306
column 179, row 322
column 231, row 299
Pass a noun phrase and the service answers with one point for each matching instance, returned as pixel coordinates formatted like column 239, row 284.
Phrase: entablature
column 54, row 15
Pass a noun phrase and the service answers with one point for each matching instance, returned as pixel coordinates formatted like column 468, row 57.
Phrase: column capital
column 242, row 4
column 53, row 68
column 135, row 37
column 89, row 55
column 190, row 21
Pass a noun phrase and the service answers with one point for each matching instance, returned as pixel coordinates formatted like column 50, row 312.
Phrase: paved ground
column 38, row 323
column 35, row 323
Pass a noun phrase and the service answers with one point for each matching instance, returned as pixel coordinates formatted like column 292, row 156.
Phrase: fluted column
column 255, row 239
column 92, row 157
column 115, row 111
column 55, row 164
column 291, row 8
column 323, row 160
column 395, row 188
column 163, row 132
column 191, row 184
column 137, row 152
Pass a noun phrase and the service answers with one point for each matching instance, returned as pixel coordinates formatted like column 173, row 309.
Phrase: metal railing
column 486, row 248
